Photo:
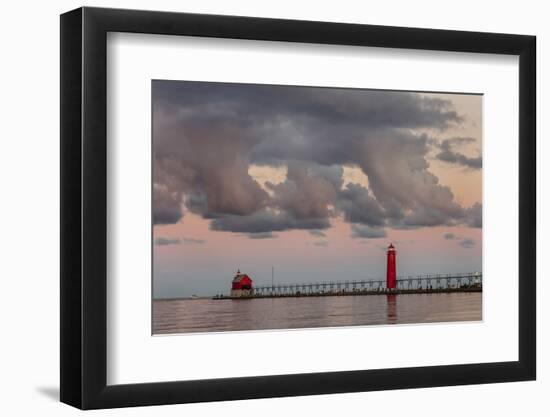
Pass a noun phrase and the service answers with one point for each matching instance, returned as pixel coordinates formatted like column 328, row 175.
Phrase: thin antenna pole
column 272, row 275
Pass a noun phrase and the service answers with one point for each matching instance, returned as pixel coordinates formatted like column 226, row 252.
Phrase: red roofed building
column 241, row 286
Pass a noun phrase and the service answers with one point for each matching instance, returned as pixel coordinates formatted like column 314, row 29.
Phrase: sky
column 314, row 182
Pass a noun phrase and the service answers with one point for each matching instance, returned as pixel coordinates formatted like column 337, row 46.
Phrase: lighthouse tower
column 390, row 272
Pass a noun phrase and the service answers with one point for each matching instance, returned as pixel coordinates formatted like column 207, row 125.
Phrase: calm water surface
column 205, row 315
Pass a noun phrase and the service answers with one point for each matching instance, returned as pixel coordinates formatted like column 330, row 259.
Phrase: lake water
column 206, row 315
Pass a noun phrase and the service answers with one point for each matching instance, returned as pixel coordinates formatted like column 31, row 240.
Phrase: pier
column 419, row 284
column 242, row 286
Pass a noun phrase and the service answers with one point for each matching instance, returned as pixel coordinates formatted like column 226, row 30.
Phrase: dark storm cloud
column 447, row 154
column 206, row 135
column 190, row 159
column 165, row 241
column 474, row 215
column 358, row 206
column 373, row 108
column 165, row 214
column 262, row 235
column 166, row 205
column 266, row 220
column 361, row 231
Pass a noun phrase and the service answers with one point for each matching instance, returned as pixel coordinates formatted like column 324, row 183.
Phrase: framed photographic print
column 244, row 197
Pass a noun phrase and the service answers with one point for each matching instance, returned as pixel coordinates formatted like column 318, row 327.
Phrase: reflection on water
column 391, row 309
column 205, row 315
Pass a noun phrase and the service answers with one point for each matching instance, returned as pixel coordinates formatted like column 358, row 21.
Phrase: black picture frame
column 84, row 207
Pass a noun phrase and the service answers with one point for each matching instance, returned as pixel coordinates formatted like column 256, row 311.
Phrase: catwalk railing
column 413, row 284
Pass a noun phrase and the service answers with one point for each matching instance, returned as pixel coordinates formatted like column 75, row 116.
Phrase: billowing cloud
column 474, row 215
column 190, row 160
column 308, row 190
column 207, row 135
column 447, row 154
column 359, row 206
column 428, row 216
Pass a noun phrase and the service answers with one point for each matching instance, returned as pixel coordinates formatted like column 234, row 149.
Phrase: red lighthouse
column 241, row 286
column 390, row 273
